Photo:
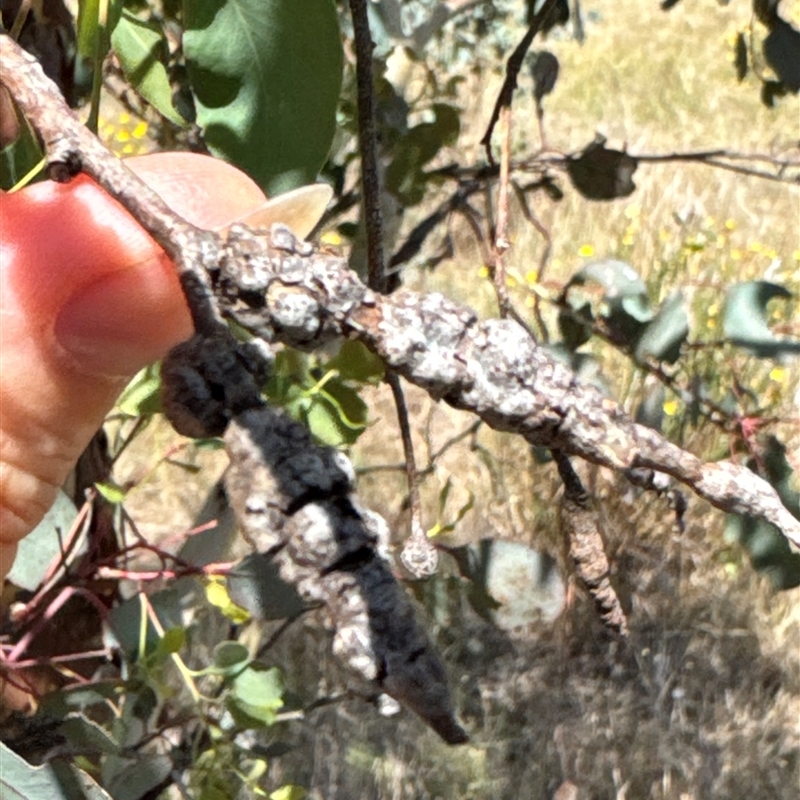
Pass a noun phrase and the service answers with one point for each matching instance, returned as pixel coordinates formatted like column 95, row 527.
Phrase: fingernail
column 122, row 322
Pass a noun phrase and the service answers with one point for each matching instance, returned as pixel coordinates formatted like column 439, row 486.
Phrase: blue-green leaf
column 745, row 320
column 19, row 780
column 663, row 337
column 266, row 76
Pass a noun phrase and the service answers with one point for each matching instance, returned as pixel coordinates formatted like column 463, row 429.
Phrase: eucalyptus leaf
column 745, row 318
column 266, row 76
column 355, row 362
column 140, row 777
column 600, row 173
column 289, row 792
column 40, row 548
column 650, row 411
column 141, row 48
column 405, row 175
column 256, row 585
column 19, row 159
column 782, row 51
column 142, row 396
column 624, row 306
column 230, row 658
column 767, row 547
column 258, row 693
column 85, row 735
column 544, row 71
column 663, row 337
column 19, row 780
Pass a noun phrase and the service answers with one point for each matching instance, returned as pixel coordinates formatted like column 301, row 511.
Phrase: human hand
column 87, row 299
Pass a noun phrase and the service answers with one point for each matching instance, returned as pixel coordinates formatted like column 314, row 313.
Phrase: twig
column 501, row 242
column 71, row 148
column 514, row 65
column 418, row 554
column 580, row 526
column 367, row 142
column 429, row 467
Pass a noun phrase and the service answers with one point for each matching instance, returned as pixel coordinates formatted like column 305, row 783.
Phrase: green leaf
column 623, row 306
column 21, row 781
column 230, row 658
column 782, row 51
column 574, row 332
column 768, row 549
column 142, row 395
column 59, row 704
column 141, row 48
column 600, row 173
column 650, row 411
column 111, row 491
column 355, row 362
column 745, row 319
column 258, row 693
column 96, row 20
column 86, row 735
column 140, row 776
column 405, row 176
column 448, row 527
column 256, row 585
column 171, row 642
column 40, row 548
column 663, row 337
column 266, row 76
column 289, row 792
column 88, row 27
column 22, row 160
column 217, row 595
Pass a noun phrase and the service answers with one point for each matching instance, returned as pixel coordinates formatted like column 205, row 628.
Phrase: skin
column 87, row 299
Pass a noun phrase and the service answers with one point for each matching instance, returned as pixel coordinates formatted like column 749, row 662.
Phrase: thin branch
column 434, row 457
column 367, row 141
column 418, row 554
column 501, row 242
column 581, row 527
column 514, row 65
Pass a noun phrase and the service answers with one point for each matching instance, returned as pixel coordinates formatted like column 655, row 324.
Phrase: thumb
column 86, row 299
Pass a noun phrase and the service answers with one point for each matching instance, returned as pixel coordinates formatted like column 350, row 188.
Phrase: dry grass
column 704, row 702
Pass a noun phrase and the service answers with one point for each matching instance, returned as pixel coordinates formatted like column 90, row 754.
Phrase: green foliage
column 746, row 321
column 324, row 394
column 21, row 160
column 255, row 585
column 142, row 51
column 405, row 176
column 20, row 781
column 43, row 546
column 141, row 396
column 261, row 72
column 767, row 547
column 256, row 696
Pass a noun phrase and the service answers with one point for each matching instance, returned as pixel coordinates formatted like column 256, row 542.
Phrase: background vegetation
column 703, row 699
